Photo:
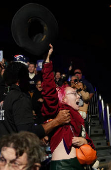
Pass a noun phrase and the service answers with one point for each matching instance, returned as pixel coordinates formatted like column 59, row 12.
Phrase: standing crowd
column 40, row 109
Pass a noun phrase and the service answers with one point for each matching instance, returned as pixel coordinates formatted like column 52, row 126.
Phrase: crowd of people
column 48, row 109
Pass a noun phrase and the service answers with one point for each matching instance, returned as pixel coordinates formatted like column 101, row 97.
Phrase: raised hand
column 49, row 53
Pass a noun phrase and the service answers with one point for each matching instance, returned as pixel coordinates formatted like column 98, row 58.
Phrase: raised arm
column 50, row 105
column 49, row 54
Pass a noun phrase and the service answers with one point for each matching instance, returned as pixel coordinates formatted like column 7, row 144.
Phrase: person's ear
column 63, row 100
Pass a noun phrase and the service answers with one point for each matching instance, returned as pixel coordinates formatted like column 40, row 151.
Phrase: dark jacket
column 37, row 106
column 32, row 82
column 18, row 114
column 2, row 89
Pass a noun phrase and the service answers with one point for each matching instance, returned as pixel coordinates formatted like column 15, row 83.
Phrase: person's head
column 69, row 96
column 78, row 73
column 57, row 75
column 39, row 85
column 74, row 80
column 21, row 151
column 31, row 67
column 2, row 68
column 16, row 73
column 21, row 58
column 81, row 85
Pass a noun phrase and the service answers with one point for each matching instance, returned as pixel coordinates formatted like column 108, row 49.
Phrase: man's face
column 31, row 68
column 72, row 98
column 57, row 75
column 80, row 85
column 9, row 161
column 73, row 80
column 78, row 73
column 39, row 86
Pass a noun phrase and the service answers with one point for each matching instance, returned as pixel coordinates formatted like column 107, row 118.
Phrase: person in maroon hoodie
column 64, row 138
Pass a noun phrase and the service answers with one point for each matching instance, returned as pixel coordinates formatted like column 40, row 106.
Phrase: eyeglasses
column 77, row 73
column 38, row 84
column 12, row 164
column 75, row 80
column 74, row 93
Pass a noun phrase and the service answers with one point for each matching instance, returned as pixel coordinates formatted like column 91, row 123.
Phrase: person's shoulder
column 38, row 76
column 86, row 82
column 89, row 86
column 14, row 93
column 36, row 92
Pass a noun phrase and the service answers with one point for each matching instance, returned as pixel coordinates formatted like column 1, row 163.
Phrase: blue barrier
column 105, row 124
column 105, row 118
column 100, row 110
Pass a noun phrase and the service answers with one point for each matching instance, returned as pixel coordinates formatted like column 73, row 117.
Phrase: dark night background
column 84, row 38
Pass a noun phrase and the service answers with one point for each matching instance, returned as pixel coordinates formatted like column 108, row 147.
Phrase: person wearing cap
column 21, row 58
column 17, row 107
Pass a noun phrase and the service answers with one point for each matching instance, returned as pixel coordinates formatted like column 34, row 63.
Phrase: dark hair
column 58, row 71
column 25, row 142
column 38, row 81
column 32, row 63
column 84, row 86
column 17, row 72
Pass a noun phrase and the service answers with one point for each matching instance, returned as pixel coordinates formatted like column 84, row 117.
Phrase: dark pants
column 66, row 164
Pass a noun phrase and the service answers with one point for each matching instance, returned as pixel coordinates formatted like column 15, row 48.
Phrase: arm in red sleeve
column 50, row 105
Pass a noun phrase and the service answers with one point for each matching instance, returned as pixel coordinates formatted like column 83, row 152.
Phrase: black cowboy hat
column 33, row 28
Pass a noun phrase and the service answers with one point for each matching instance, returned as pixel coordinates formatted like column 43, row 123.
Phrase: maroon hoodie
column 52, row 106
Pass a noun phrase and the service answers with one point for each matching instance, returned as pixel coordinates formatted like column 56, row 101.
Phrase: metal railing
column 98, row 108
column 105, row 118
column 93, row 105
column 92, row 110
